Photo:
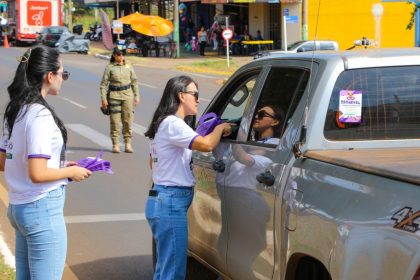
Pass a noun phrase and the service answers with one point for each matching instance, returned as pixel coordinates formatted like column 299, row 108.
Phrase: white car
column 304, row 46
column 3, row 21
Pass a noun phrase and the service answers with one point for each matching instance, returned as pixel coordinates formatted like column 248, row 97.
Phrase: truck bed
column 400, row 163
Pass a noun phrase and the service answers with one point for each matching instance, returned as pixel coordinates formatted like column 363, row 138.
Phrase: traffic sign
column 227, row 33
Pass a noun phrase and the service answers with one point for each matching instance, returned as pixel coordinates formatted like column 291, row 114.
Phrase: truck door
column 207, row 235
column 254, row 168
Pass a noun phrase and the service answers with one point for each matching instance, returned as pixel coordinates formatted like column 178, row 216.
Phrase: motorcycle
column 95, row 33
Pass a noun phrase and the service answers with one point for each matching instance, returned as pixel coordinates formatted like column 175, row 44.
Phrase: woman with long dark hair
column 171, row 142
column 32, row 155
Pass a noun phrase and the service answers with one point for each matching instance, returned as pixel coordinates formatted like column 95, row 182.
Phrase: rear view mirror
column 239, row 97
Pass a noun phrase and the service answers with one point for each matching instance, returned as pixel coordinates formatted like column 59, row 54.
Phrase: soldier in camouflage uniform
column 120, row 82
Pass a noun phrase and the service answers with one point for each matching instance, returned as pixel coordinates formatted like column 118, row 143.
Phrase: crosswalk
column 100, row 139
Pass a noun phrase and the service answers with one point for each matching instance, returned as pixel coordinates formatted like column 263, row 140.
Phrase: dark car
column 50, row 35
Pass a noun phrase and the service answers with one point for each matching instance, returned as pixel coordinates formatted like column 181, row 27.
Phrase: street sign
column 292, row 19
column 117, row 26
column 227, row 33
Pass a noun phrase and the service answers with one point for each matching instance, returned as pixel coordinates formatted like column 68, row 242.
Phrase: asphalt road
column 108, row 236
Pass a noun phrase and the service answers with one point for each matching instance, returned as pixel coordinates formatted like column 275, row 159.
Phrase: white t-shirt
column 35, row 135
column 171, row 153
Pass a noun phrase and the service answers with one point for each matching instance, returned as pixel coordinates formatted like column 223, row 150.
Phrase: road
column 108, row 236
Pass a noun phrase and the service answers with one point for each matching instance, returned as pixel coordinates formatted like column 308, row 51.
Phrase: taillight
column 417, row 275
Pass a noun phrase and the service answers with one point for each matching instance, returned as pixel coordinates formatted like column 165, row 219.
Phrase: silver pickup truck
column 335, row 194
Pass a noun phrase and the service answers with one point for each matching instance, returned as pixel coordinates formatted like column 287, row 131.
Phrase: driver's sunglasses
column 261, row 114
column 65, row 75
column 193, row 93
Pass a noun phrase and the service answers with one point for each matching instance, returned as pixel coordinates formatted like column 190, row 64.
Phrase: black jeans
column 202, row 47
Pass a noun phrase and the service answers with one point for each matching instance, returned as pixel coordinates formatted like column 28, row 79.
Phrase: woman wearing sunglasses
column 268, row 124
column 171, row 145
column 120, row 91
column 32, row 155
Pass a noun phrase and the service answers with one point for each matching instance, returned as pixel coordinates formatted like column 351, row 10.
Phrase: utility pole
column 176, row 28
column 70, row 15
column 118, row 16
column 305, row 19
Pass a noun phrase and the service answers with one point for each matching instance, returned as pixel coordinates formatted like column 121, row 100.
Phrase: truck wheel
column 309, row 268
column 196, row 271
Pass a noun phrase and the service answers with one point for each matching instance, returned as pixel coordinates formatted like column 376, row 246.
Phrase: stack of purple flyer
column 96, row 164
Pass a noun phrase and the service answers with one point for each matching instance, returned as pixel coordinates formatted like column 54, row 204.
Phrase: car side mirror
column 301, row 50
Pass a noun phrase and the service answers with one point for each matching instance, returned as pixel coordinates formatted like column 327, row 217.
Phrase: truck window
column 389, row 105
column 326, row 46
column 283, row 89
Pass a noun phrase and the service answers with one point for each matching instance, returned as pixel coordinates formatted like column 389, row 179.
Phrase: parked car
column 335, row 193
column 69, row 43
column 3, row 21
column 50, row 35
column 304, row 46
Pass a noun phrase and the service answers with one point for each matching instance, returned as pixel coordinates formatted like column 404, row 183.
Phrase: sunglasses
column 261, row 114
column 65, row 74
column 193, row 93
column 119, row 54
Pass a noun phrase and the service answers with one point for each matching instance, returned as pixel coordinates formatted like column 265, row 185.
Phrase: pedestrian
column 202, row 39
column 119, row 90
column 32, row 156
column 171, row 145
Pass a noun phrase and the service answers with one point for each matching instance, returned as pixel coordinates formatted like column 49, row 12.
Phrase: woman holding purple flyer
column 171, row 145
column 32, row 155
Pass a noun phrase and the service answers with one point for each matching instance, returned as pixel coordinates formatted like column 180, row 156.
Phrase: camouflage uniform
column 121, row 81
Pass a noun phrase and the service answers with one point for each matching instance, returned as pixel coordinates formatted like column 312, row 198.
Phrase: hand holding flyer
column 96, row 164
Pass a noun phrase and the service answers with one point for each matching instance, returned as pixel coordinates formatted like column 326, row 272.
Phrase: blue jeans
column 41, row 237
column 167, row 216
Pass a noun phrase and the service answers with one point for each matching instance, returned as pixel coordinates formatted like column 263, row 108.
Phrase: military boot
column 128, row 147
column 115, row 146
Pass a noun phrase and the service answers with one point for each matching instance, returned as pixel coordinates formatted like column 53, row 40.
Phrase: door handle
column 266, row 178
column 219, row 166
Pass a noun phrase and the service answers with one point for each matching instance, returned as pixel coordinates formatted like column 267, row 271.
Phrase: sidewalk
column 188, row 61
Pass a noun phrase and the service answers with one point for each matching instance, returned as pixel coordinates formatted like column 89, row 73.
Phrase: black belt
column 117, row 88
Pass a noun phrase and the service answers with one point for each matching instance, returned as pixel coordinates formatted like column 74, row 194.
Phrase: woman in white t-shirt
column 32, row 155
column 171, row 145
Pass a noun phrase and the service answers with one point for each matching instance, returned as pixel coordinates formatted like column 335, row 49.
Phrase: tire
column 196, row 271
column 87, row 35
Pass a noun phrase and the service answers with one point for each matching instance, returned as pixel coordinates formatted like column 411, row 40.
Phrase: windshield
column 295, row 45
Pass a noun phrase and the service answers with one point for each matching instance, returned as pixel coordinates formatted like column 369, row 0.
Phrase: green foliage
column 86, row 16
column 6, row 273
column 412, row 17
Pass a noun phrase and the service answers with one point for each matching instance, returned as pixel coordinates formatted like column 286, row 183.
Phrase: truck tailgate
column 399, row 163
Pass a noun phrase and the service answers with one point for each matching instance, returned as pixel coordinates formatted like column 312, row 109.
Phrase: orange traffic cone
column 6, row 41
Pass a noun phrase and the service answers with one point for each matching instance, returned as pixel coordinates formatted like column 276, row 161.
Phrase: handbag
column 207, row 123
column 106, row 111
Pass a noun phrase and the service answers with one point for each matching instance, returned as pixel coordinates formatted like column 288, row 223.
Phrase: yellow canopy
column 148, row 25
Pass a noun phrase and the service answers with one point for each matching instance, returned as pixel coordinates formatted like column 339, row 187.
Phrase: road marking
column 201, row 75
column 146, row 85
column 204, row 99
column 8, row 257
column 105, row 218
column 74, row 102
column 139, row 129
column 91, row 134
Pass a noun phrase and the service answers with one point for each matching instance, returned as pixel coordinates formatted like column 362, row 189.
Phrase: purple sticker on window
column 96, row 164
column 350, row 106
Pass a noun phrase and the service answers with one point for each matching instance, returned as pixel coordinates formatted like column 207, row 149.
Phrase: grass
column 218, row 66
column 6, row 273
